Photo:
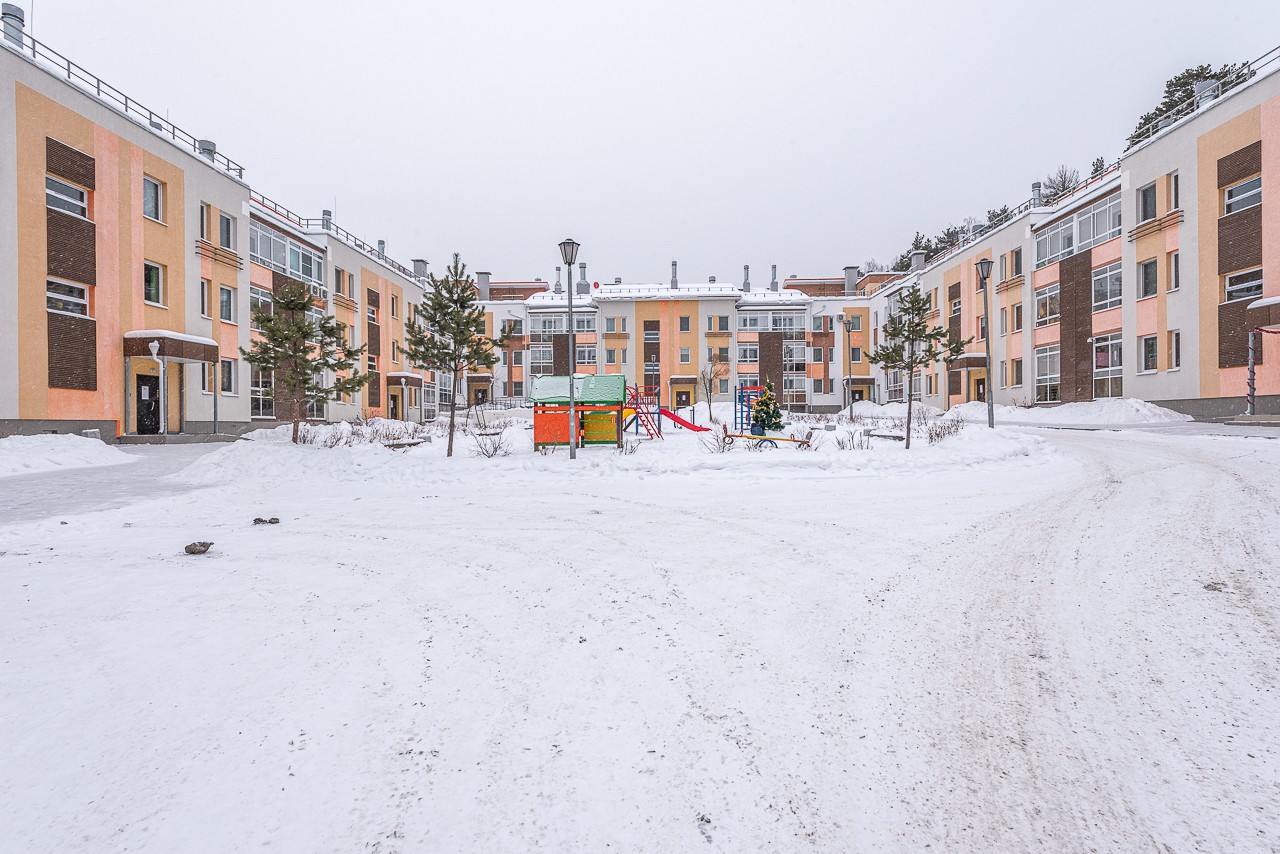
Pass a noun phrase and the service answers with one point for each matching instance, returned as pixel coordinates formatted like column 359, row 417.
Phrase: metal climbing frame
column 646, row 401
column 743, row 402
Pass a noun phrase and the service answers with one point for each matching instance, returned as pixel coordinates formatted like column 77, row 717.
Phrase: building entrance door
column 980, row 389
column 479, row 396
column 148, row 401
column 682, row 399
column 859, row 395
column 395, row 407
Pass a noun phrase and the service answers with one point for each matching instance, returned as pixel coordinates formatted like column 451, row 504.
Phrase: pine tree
column 765, row 413
column 1181, row 88
column 300, row 351
column 448, row 335
column 911, row 342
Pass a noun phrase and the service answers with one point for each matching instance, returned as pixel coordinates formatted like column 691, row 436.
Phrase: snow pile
column 379, row 431
column 1108, row 410
column 867, row 409
column 50, row 452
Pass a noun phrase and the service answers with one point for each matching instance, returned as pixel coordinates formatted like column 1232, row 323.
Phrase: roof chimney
column 1206, row 90
column 14, row 19
column 711, row 280
column 675, row 282
column 556, row 289
column 851, row 277
column 584, row 287
column 773, row 281
column 326, row 220
column 382, row 249
column 617, row 280
column 482, row 285
column 746, row 278
column 1037, row 198
column 420, row 268
column 207, row 148
column 917, row 259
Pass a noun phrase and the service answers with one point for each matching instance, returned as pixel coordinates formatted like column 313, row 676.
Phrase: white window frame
column 1252, row 287
column 259, row 297
column 1017, row 316
column 204, row 220
column 227, row 300
column 1113, row 280
column 206, row 290
column 1046, row 294
column 264, row 403
column 1113, row 350
column 147, row 183
column 610, row 356
column 160, row 276
column 585, row 354
column 1016, row 373
column 1153, row 265
column 1145, row 343
column 611, row 324
column 1175, row 349
column 686, row 356
column 229, row 377
column 66, row 197
column 1141, row 197
column 1243, row 198
column 1175, row 271
column 1047, row 377
column 81, row 300
column 227, row 228
column 749, row 354
column 855, row 355
column 857, row 323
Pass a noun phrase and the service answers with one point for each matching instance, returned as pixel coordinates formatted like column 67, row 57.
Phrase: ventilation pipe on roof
column 746, row 278
column 1037, row 198
column 917, row 259
column 1207, row 90
column 675, row 282
column 773, row 281
column 617, row 280
column 326, row 220
column 711, row 280
column 584, row 288
column 208, row 148
column 382, row 249
column 420, row 267
column 556, row 288
column 482, row 285
column 14, row 19
column 851, row 276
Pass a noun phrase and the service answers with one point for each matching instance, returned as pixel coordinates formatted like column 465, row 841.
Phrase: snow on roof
column 165, row 333
column 1265, row 302
column 587, row 389
column 664, row 291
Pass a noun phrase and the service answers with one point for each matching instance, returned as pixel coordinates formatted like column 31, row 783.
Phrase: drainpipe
column 154, row 347
column 217, row 385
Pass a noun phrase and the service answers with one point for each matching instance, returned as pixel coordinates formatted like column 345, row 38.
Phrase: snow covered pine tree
column 766, row 414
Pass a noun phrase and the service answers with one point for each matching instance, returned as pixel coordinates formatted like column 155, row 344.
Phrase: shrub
column 717, row 441
column 942, row 428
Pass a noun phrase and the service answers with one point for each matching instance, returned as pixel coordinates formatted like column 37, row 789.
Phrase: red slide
column 685, row 424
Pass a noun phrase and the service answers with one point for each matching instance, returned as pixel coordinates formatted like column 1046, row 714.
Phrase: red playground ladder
column 644, row 406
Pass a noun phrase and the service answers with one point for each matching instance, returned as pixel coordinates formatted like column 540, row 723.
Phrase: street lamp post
column 848, row 357
column 984, row 273
column 569, row 254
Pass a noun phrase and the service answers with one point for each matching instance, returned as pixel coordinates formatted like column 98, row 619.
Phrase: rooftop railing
column 54, row 62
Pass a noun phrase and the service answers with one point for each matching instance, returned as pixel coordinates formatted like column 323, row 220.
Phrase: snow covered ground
column 1028, row 640
column 1104, row 411
column 48, row 452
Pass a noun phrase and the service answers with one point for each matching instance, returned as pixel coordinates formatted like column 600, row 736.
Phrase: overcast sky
column 807, row 134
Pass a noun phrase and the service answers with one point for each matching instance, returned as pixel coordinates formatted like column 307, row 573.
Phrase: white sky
column 807, row 134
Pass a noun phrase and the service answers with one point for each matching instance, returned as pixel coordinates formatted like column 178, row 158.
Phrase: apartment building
column 132, row 255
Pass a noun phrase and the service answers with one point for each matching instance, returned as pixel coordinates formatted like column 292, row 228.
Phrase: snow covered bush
column 490, row 444
column 942, row 428
column 717, row 441
column 362, row 431
column 853, row 441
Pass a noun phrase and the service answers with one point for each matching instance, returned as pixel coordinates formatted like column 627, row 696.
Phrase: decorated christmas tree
column 765, row 414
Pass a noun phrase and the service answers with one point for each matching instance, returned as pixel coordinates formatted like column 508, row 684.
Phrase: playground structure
column 645, row 409
column 598, row 403
column 744, row 400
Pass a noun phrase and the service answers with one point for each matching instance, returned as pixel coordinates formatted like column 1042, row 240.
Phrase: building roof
column 602, row 389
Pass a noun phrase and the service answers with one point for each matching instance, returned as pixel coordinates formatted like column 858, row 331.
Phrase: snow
column 867, row 409
column 50, row 452
column 1104, row 411
column 165, row 333
column 963, row 647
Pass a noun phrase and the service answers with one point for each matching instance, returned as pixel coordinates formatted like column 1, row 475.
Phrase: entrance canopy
column 605, row 390
column 174, row 346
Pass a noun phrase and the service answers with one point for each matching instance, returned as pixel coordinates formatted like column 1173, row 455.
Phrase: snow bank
column 1110, row 410
column 867, row 409
column 33, row 454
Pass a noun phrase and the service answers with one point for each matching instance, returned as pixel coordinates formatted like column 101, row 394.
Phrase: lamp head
column 569, row 251
column 154, row 347
column 984, row 269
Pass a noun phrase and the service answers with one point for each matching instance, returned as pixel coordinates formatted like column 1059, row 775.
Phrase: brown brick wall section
column 1238, row 165
column 373, row 298
column 278, row 281
column 72, row 249
column 65, row 162
column 375, row 388
column 73, row 352
column 560, row 354
column 1240, row 240
column 373, row 339
column 1234, row 322
column 954, row 330
column 955, row 382
column 1076, row 306
column 771, row 360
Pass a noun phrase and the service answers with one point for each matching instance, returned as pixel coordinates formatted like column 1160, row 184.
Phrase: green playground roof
column 593, row 390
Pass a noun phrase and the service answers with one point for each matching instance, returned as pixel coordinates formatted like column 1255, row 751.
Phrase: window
column 1175, row 271
column 515, row 326
column 955, row 307
column 1175, row 200
column 1004, row 267
column 1056, row 241
column 259, row 302
column 226, row 304
column 1047, row 311
column 541, row 359
column 1147, row 203
column 152, row 199
column 817, row 386
column 585, row 355
column 622, row 326
column 624, row 355
column 831, row 354
column 793, row 357
column 228, row 376
column 66, row 298
column 722, row 323
column 517, row 358
column 1004, row 375
column 893, row 386
column 685, row 356
column 206, row 290
column 584, row 323
column 1017, row 317
column 152, row 283
column 817, row 355
column 1147, row 279
column 261, row 403
column 1017, row 373
column 395, row 353
column 1048, row 374
column 928, row 384
column 517, row 388
column 204, row 221
column 749, row 379
column 395, row 306
column 1108, row 366
column 1004, row 321
column 338, row 276
column 817, row 323
column 724, row 385
column 748, row 353
column 749, row 321
column 66, row 197
column 1246, row 285
column 1107, row 288
column 611, row 357
column 1244, row 195
column 270, row 248
column 611, row 324
column 1017, row 261
column 855, row 355
column 1095, row 224
column 227, row 237
column 684, row 323
column 857, row 322
column 1149, row 347
column 372, row 313
column 371, row 364
column 1175, row 350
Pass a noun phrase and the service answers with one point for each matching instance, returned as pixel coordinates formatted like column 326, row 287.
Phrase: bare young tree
column 709, row 378
column 1059, row 181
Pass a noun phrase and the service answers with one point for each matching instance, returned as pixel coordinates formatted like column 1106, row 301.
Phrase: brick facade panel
column 1234, row 322
column 771, row 359
column 73, row 352
column 1240, row 240
column 73, row 253
column 374, row 389
column 67, row 163
column 1076, row 327
column 1238, row 165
